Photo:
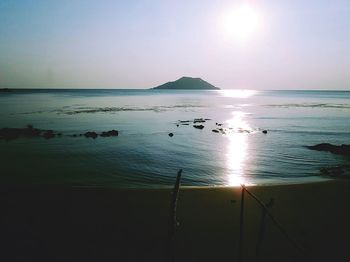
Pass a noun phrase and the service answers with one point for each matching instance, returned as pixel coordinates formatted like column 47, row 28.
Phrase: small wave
column 72, row 110
column 81, row 110
column 312, row 105
column 311, row 132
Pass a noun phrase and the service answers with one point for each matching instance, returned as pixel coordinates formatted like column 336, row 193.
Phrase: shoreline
column 319, row 179
column 167, row 187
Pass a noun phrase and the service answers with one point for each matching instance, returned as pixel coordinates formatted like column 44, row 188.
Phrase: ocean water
column 143, row 155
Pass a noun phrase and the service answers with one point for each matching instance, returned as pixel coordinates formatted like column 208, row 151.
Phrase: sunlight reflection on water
column 237, row 93
column 236, row 154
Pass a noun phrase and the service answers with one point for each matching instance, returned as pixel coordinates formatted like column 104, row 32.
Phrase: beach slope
column 60, row 223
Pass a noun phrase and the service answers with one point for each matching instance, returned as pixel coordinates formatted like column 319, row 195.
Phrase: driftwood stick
column 173, row 205
column 277, row 224
column 241, row 223
column 172, row 214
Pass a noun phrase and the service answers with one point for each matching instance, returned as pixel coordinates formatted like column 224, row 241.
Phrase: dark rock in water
column 48, row 134
column 177, row 125
column 185, row 124
column 198, row 126
column 110, row 133
column 198, row 120
column 215, row 131
column 171, row 134
column 207, row 119
column 91, row 134
column 184, row 121
column 264, row 131
column 339, row 150
column 221, row 130
column 5, row 90
column 218, row 124
column 28, row 132
column 103, row 134
column 334, row 172
column 14, row 133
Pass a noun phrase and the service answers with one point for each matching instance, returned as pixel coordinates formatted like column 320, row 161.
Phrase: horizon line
column 151, row 88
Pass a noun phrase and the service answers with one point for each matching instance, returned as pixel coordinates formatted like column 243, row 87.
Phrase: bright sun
column 240, row 22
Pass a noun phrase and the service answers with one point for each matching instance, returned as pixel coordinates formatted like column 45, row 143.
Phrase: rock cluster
column 338, row 150
column 219, row 126
column 29, row 132
column 198, row 126
column 94, row 135
column 333, row 172
column 110, row 133
column 8, row 133
column 91, row 134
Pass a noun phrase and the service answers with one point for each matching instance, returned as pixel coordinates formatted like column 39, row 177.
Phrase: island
column 188, row 83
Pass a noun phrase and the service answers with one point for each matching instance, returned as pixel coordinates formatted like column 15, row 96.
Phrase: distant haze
column 141, row 44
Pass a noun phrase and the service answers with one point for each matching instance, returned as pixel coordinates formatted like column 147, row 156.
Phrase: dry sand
column 54, row 223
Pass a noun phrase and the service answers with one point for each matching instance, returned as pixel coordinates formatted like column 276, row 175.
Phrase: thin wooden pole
column 172, row 215
column 241, row 223
column 277, row 224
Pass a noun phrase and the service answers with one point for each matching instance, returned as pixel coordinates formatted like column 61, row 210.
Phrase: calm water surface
column 143, row 155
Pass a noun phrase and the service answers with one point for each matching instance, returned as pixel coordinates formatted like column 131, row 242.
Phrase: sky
column 287, row 44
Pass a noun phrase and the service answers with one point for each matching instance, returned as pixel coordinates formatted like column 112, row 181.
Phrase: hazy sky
column 140, row 44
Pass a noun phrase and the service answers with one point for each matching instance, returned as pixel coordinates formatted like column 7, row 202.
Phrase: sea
column 143, row 155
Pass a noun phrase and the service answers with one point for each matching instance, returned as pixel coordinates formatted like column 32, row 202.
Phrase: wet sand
column 60, row 223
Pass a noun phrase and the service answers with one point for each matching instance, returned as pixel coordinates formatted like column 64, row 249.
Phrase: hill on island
column 188, row 83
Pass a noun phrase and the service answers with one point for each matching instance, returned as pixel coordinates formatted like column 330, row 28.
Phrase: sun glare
column 237, row 149
column 237, row 93
column 240, row 22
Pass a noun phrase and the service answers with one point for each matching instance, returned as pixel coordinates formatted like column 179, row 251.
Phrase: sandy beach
column 59, row 223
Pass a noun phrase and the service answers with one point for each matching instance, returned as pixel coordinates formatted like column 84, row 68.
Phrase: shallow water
column 143, row 155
